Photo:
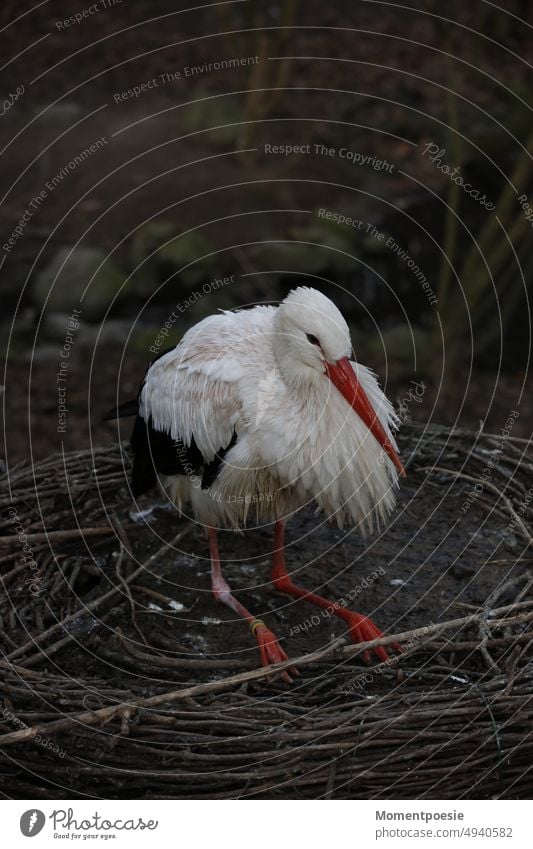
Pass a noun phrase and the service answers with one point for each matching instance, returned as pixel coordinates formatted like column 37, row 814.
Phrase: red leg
column 269, row 649
column 360, row 627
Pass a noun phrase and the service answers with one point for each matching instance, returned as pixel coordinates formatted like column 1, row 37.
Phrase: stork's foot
column 361, row 630
column 270, row 650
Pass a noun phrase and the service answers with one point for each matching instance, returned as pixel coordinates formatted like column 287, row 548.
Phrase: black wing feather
column 156, row 452
column 212, row 469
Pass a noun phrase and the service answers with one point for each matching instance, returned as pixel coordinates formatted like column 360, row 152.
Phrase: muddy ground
column 436, row 561
column 425, row 574
column 432, row 563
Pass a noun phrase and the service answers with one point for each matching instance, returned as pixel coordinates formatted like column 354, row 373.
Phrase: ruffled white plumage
column 293, row 447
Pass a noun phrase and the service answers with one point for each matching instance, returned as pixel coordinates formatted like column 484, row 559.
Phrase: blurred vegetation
column 267, row 78
column 479, row 263
column 480, row 289
column 157, row 255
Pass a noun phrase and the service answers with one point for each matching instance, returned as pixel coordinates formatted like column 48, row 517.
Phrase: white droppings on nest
column 152, row 606
column 141, row 516
column 147, row 515
column 210, row 620
column 397, row 582
column 196, row 642
column 187, row 560
column 461, row 680
column 165, row 505
column 176, row 605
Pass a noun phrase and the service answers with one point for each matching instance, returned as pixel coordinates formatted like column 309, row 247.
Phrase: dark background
column 152, row 198
column 181, row 192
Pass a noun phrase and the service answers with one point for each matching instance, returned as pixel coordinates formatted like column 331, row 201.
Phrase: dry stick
column 154, row 594
column 104, row 715
column 473, row 645
column 34, row 659
column 493, row 597
column 126, row 548
column 179, row 662
column 61, row 536
column 6, row 558
column 90, row 608
column 22, row 567
column 489, row 485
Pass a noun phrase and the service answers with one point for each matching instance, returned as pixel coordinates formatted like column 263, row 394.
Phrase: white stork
column 265, row 409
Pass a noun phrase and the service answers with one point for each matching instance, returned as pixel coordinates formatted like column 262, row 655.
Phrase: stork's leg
column 361, row 628
column 269, row 649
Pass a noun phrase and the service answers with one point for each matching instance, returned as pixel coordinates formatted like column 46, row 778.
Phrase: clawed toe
column 270, row 651
column 362, row 630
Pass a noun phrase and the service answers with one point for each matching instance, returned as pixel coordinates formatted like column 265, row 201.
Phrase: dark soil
column 428, row 565
column 439, row 570
column 435, row 562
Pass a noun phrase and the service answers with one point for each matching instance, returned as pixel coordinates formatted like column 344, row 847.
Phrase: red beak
column 343, row 377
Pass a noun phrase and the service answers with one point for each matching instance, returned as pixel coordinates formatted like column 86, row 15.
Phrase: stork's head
column 312, row 343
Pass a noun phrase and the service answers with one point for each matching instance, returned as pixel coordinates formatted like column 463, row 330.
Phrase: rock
column 47, row 353
column 55, row 325
column 113, row 331
column 188, row 256
column 64, row 280
column 18, row 338
column 318, row 248
column 67, row 111
column 166, row 254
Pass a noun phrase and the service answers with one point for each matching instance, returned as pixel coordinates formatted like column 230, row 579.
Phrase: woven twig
column 422, row 725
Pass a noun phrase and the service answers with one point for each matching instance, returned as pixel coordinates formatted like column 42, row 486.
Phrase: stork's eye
column 312, row 339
